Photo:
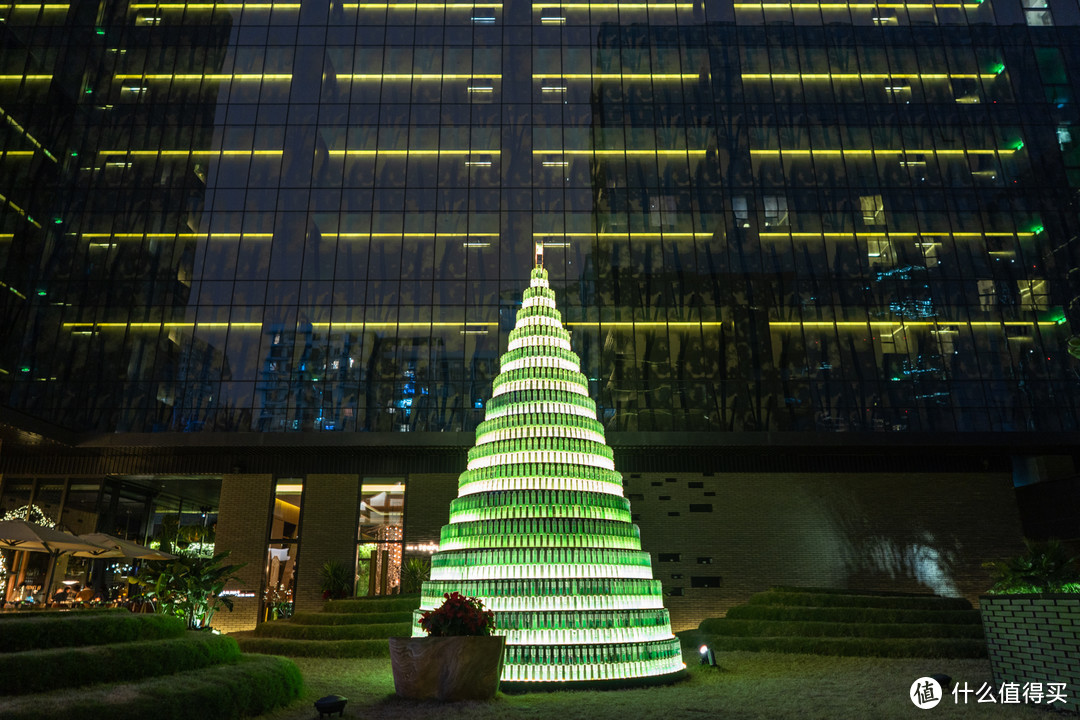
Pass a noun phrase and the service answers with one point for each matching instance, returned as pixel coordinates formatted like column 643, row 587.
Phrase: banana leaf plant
column 188, row 588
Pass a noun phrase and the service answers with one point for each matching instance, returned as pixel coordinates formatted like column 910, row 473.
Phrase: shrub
column 856, row 647
column 336, row 580
column 1045, row 567
column 40, row 670
column 53, row 630
column 458, row 615
column 413, row 574
column 351, row 618
column 813, row 599
column 251, row 686
column 860, row 615
column 188, row 587
column 771, row 628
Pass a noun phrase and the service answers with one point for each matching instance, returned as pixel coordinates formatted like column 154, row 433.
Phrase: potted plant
column 459, row 659
column 1029, row 618
column 336, row 580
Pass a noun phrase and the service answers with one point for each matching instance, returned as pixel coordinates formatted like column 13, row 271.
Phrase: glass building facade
column 317, row 216
column 819, row 261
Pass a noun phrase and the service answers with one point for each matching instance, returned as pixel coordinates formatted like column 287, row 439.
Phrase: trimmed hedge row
column 316, row 648
column 893, row 602
column 852, row 615
column 398, row 603
column 857, row 647
column 60, row 612
column 842, row 591
column 332, row 632
column 771, row 628
column 251, row 686
column 53, row 630
column 41, row 670
column 336, row 618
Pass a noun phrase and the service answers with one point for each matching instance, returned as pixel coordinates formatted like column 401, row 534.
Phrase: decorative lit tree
column 540, row 530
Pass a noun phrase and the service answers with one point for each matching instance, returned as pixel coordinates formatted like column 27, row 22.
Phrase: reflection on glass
column 380, row 536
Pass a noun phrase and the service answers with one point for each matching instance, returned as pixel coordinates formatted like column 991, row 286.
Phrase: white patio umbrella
column 31, row 537
column 128, row 549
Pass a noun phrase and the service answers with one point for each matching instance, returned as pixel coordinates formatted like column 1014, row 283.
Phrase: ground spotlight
column 707, row 657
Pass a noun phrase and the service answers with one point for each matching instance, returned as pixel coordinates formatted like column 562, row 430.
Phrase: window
column 776, row 211
column 1037, row 13
column 873, row 209
column 1033, row 294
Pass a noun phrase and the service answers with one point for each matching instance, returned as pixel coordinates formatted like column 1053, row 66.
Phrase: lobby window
column 1037, row 13
column 741, row 211
column 279, row 581
column 380, row 536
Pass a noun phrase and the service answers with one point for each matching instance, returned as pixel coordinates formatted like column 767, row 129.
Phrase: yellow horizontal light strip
column 854, row 6
column 898, row 235
column 920, row 323
column 618, row 76
column 414, row 76
column 178, row 236
column 627, row 235
column 35, row 6
column 620, row 152
column 84, row 326
column 419, row 6
column 869, row 76
column 16, row 153
column 235, row 77
column 184, row 153
column 373, row 153
column 213, row 6
column 27, row 78
column 613, row 6
column 5, row 237
column 974, row 151
column 650, row 323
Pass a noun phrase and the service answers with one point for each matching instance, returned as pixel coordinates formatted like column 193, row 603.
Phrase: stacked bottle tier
column 540, row 563
column 549, row 444
column 529, row 355
column 614, row 661
column 539, row 532
column 551, row 594
column 539, row 475
column 549, row 424
column 540, row 503
column 545, row 377
column 569, row 628
column 501, row 404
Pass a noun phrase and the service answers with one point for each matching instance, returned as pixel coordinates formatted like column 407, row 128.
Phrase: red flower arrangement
column 458, row 615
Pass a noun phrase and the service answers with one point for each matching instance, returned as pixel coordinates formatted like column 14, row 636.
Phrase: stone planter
column 447, row 668
column 1034, row 639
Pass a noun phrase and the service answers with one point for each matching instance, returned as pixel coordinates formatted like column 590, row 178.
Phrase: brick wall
column 733, row 535
column 328, row 533
column 243, row 524
column 1035, row 639
column 427, row 506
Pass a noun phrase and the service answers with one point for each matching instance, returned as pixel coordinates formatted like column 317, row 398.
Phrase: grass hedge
column 397, row 603
column 852, row 615
column 53, row 630
column 341, row 618
column 41, row 670
column 782, row 628
column 842, row 591
column 60, row 612
column 251, row 686
column 316, row 648
column 332, row 632
column 895, row 602
column 857, row 647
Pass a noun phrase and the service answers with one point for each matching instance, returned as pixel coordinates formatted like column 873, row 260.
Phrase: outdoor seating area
column 51, row 569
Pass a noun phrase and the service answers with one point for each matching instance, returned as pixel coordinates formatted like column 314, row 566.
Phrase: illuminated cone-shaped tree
column 540, row 530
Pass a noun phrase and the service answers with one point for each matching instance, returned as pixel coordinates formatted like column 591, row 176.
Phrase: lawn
column 746, row 685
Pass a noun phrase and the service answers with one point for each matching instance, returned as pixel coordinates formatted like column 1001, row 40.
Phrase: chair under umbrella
column 30, row 537
column 128, row 549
